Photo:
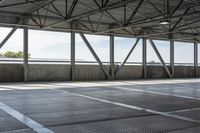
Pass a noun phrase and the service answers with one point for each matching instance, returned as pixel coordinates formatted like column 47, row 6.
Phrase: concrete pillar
column 25, row 58
column 144, row 57
column 195, row 59
column 112, row 62
column 172, row 56
column 72, row 61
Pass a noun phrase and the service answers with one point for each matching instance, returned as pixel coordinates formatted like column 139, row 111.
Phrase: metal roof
column 138, row 18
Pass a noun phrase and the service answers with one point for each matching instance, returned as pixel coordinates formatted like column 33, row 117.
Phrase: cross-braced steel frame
column 113, row 71
column 136, row 18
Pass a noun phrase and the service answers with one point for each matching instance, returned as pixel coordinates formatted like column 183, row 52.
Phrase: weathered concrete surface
column 49, row 72
column 156, row 72
column 184, row 72
column 61, row 72
column 130, row 72
column 89, row 72
column 11, row 72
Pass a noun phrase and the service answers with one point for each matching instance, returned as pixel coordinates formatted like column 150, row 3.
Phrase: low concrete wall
column 89, row 72
column 61, row 72
column 11, row 72
column 156, row 72
column 184, row 72
column 49, row 72
column 130, row 72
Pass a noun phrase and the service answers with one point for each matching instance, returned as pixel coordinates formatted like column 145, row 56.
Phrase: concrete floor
column 159, row 106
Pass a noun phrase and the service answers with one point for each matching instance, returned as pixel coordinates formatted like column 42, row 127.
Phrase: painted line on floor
column 157, row 93
column 184, row 110
column 174, row 85
column 152, row 82
column 130, row 106
column 24, row 119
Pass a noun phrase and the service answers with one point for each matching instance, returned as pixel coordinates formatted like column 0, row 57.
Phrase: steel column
column 112, row 62
column 172, row 57
column 195, row 59
column 144, row 57
column 25, row 58
column 72, row 56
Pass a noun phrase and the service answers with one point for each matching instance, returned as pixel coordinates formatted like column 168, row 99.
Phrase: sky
column 56, row 45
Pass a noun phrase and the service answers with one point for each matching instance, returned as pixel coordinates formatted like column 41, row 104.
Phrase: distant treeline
column 12, row 54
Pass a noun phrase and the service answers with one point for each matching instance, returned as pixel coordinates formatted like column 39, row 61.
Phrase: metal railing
column 67, row 61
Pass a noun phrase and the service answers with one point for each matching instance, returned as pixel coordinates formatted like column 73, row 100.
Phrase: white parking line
column 24, row 119
column 129, row 106
column 158, row 93
column 184, row 110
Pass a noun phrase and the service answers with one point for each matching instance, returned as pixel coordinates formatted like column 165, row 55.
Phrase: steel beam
column 143, row 21
column 106, row 8
column 158, row 10
column 135, row 11
column 8, row 37
column 66, row 9
column 160, row 58
column 25, row 58
column 56, row 9
column 180, row 19
column 172, row 56
column 44, row 8
column 130, row 52
column 195, row 59
column 38, row 7
column 168, row 32
column 73, row 60
column 106, row 2
column 179, row 4
column 74, row 3
column 112, row 62
column 144, row 57
column 95, row 55
column 18, row 3
column 95, row 11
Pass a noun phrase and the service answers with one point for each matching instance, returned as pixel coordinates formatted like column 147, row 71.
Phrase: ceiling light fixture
column 165, row 22
column 166, row 13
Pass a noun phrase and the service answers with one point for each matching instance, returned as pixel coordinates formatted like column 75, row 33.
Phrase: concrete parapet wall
column 61, row 72
column 49, row 72
column 89, row 72
column 130, row 72
column 184, row 72
column 11, row 72
column 156, row 72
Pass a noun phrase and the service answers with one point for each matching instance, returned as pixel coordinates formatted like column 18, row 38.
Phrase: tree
column 11, row 54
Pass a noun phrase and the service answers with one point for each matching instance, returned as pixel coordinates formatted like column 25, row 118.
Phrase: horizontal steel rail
column 87, row 62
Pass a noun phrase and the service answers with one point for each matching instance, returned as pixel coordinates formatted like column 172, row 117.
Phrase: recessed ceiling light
column 166, row 22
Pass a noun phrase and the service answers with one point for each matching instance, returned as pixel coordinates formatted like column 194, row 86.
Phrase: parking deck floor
column 151, row 106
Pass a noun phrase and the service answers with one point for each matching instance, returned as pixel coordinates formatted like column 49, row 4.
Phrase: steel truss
column 108, row 17
column 100, row 18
